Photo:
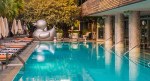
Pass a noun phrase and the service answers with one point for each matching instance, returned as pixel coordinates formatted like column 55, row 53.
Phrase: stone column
column 108, row 30
column 134, row 40
column 119, row 32
column 134, row 34
column 119, row 44
column 97, row 32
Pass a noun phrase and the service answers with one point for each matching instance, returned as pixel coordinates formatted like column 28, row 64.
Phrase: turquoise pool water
column 79, row 62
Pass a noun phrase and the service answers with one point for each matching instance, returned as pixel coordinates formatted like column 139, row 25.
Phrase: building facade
column 126, row 23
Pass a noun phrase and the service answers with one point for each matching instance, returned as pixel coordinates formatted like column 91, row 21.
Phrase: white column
column 119, row 44
column 134, row 40
column 108, row 30
column 134, row 34
column 119, row 32
column 97, row 32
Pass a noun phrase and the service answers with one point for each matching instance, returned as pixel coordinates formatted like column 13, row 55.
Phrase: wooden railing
column 92, row 6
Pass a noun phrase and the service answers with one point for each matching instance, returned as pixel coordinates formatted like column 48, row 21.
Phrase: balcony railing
column 92, row 6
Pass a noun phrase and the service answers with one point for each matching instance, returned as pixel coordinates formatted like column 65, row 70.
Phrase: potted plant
column 59, row 33
column 84, row 31
column 75, row 29
column 75, row 34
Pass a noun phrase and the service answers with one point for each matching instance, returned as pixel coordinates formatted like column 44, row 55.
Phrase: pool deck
column 11, row 71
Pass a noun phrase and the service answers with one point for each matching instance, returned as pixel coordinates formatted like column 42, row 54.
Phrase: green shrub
column 59, row 31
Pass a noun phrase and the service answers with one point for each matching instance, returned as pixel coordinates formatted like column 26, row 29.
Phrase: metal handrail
column 119, row 56
column 130, row 50
column 22, row 61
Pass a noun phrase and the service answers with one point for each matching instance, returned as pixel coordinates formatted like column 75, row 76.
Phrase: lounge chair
column 9, row 48
column 8, row 51
column 12, row 47
column 19, row 43
column 3, row 57
column 24, row 39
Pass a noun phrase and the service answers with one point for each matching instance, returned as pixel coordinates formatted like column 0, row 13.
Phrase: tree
column 53, row 11
column 11, row 8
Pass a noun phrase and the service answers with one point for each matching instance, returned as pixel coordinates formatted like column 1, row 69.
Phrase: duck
column 41, row 33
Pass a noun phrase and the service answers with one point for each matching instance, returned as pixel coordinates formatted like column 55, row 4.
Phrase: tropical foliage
column 11, row 8
column 53, row 11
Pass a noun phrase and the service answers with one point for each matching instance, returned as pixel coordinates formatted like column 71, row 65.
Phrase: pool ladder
column 20, row 59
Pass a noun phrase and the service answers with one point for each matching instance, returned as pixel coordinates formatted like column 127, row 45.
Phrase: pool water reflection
column 78, row 61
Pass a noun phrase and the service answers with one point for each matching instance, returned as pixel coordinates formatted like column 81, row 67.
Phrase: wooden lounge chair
column 8, row 51
column 4, row 58
column 19, row 43
column 12, row 46
column 24, row 38
column 16, row 46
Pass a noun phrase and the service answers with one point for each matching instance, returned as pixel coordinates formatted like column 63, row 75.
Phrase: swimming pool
column 78, row 61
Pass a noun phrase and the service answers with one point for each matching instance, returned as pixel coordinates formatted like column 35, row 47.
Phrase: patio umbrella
column 20, row 30
column 6, row 26
column 14, row 28
column 3, row 29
